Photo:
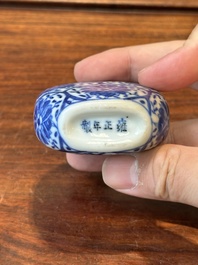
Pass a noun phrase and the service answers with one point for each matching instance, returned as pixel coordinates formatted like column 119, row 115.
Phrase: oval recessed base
column 105, row 125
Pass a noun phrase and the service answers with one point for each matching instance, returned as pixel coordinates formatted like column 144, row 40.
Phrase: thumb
column 169, row 172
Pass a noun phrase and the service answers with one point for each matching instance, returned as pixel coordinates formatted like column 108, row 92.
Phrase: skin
column 170, row 171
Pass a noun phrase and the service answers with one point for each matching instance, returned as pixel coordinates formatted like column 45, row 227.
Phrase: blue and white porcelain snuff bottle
column 101, row 118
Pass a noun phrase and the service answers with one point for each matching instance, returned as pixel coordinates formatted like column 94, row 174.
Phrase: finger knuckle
column 165, row 170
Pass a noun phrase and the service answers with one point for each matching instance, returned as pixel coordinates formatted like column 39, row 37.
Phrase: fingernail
column 195, row 86
column 142, row 71
column 193, row 37
column 144, row 74
column 120, row 172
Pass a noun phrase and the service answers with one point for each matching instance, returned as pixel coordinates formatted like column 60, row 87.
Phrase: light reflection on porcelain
column 101, row 117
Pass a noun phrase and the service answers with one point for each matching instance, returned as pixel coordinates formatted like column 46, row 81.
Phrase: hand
column 170, row 171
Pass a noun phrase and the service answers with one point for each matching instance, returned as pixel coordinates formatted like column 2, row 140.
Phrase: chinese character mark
column 122, row 125
column 86, row 126
column 97, row 125
column 108, row 125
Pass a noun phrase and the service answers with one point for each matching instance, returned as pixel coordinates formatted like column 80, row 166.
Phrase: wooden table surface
column 147, row 3
column 51, row 213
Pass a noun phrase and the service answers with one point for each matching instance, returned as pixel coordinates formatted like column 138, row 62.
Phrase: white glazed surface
column 105, row 125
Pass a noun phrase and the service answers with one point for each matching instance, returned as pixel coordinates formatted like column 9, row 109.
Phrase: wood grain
column 145, row 3
column 50, row 213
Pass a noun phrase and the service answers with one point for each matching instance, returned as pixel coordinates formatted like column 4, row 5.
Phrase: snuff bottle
column 101, row 118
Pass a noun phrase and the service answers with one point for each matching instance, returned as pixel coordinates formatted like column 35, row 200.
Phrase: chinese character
column 108, row 125
column 122, row 125
column 97, row 125
column 86, row 126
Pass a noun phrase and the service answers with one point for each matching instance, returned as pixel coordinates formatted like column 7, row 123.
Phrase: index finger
column 122, row 64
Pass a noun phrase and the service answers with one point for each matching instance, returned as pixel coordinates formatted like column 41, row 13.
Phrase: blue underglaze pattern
column 53, row 101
